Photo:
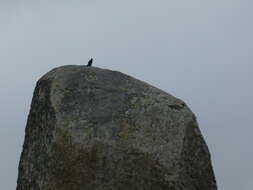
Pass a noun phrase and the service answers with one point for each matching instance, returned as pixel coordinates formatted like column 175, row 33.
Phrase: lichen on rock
column 96, row 129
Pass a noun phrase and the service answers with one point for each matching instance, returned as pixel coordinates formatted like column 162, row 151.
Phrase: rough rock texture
column 96, row 129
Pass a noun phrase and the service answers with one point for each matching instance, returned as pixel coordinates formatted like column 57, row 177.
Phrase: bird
column 89, row 63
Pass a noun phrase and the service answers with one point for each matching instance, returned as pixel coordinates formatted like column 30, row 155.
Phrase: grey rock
column 96, row 129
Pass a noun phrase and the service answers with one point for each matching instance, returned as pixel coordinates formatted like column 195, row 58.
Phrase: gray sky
column 198, row 50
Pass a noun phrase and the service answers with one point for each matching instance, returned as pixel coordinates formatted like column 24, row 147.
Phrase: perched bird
column 89, row 63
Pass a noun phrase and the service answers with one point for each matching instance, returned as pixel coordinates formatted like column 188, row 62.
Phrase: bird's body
column 89, row 63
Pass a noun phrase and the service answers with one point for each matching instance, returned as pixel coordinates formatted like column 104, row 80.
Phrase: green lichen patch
column 75, row 167
column 137, row 170
column 90, row 75
column 72, row 166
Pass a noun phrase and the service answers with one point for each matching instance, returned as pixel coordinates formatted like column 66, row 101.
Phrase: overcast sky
column 198, row 50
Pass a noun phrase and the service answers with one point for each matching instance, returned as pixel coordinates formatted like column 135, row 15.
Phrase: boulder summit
column 96, row 129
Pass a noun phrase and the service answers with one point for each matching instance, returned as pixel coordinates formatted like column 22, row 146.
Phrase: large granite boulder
column 96, row 129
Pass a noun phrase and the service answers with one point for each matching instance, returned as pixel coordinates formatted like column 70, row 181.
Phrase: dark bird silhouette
column 89, row 63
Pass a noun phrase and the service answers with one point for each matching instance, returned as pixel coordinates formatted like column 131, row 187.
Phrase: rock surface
column 96, row 129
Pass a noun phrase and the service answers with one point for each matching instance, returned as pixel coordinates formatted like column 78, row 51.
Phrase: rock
column 96, row 129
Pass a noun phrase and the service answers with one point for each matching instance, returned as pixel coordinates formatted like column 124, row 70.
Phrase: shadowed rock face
column 96, row 129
